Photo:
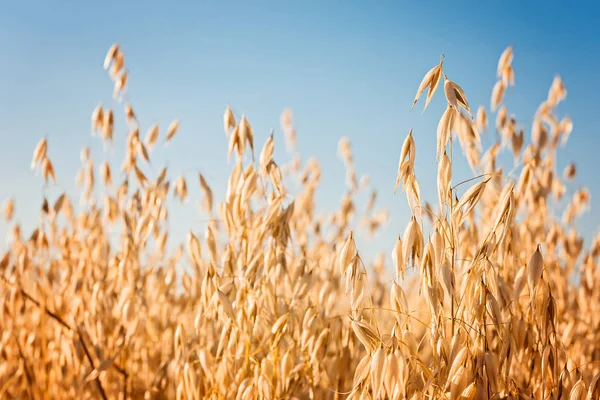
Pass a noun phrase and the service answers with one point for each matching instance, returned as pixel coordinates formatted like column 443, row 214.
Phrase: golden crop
column 280, row 304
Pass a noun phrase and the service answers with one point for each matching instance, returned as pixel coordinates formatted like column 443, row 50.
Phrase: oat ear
column 172, row 130
column 450, row 94
column 461, row 98
column 436, row 79
column 444, row 130
column 110, row 55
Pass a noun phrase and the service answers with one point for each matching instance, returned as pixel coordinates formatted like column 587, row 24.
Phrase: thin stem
column 478, row 176
column 451, row 221
column 91, row 361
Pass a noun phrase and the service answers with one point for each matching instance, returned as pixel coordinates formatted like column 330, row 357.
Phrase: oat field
column 488, row 293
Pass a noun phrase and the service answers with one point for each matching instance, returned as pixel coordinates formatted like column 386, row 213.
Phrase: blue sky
column 346, row 68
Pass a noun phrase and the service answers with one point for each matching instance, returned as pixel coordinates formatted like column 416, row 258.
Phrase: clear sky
column 346, row 68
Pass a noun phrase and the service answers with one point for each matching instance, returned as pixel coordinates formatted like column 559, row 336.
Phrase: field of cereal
column 490, row 293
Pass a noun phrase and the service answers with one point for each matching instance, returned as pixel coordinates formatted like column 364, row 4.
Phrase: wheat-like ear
column 110, row 55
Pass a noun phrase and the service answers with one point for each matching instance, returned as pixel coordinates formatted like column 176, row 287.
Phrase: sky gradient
column 345, row 68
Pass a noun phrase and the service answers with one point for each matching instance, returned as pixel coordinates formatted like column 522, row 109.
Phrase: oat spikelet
column 106, row 174
column 578, row 390
column 413, row 241
column 246, row 133
column 181, row 188
column 108, row 125
column 534, row 270
column 110, row 55
column 140, row 176
column 97, row 119
column 151, row 136
column 444, row 177
column 208, row 195
column 481, row 119
column 498, row 94
column 456, row 96
column 59, row 203
column 48, row 170
column 287, row 125
column 226, row 304
column 228, row 121
column 8, row 209
column 120, row 85
column 407, row 160
column 172, row 131
column 570, row 171
column 365, row 334
column 444, row 130
column 129, row 114
column 398, row 259
column 471, row 198
column 39, row 153
column 431, row 80
column 194, row 249
column 505, row 60
column 377, row 371
column 276, row 177
column 266, row 154
column 347, row 254
column 117, row 65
